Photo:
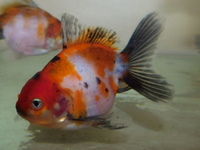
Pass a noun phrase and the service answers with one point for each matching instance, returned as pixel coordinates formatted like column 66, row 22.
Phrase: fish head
column 42, row 103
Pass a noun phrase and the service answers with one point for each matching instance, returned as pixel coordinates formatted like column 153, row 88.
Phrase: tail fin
column 139, row 49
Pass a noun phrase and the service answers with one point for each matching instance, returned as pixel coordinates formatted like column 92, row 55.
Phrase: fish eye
column 37, row 103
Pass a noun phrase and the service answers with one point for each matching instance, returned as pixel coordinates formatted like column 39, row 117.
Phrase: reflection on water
column 151, row 125
column 84, row 139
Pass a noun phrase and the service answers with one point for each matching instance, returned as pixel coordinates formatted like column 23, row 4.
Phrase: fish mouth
column 22, row 113
column 32, row 119
column 44, row 119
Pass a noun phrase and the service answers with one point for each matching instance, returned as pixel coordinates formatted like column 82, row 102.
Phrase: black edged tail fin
column 139, row 49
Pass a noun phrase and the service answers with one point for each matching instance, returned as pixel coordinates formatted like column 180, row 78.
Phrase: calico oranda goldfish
column 77, row 88
column 29, row 30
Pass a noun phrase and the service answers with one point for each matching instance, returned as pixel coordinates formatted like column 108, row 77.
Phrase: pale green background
column 152, row 126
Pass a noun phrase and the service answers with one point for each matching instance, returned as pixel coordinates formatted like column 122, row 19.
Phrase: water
column 151, row 126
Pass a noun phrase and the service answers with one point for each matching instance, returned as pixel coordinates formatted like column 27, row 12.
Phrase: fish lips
column 20, row 112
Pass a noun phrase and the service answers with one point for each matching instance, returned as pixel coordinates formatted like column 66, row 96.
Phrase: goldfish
column 29, row 30
column 77, row 88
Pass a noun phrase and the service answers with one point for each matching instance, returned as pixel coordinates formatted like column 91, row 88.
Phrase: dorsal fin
column 75, row 33
column 28, row 3
column 71, row 28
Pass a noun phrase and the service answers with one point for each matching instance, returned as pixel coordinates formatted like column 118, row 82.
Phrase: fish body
column 29, row 30
column 77, row 88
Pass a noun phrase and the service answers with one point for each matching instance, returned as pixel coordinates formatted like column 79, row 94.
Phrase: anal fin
column 103, row 122
column 123, row 87
column 108, row 125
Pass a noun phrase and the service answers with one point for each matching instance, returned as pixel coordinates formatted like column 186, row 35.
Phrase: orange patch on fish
column 79, row 106
column 40, row 30
column 12, row 10
column 124, row 57
column 55, row 68
column 97, row 97
column 100, row 56
column 53, row 27
column 103, row 89
column 39, row 112
column 112, row 84
column 74, row 76
column 6, row 7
